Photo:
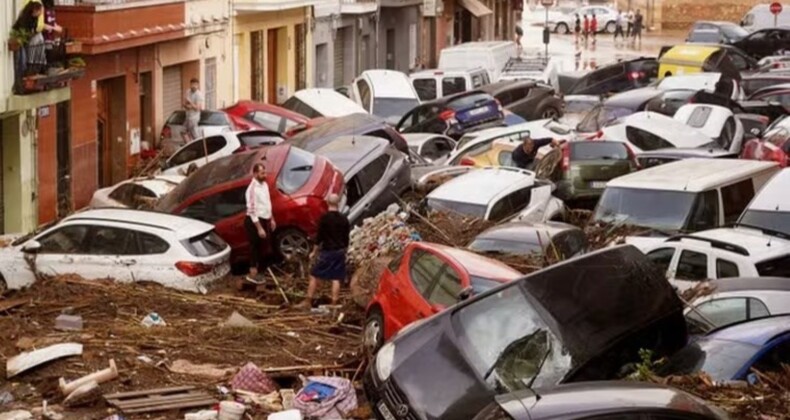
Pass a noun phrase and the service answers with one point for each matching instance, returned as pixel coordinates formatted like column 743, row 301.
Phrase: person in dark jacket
column 524, row 155
column 331, row 244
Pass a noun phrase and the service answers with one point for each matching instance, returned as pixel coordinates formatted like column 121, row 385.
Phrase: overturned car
column 583, row 319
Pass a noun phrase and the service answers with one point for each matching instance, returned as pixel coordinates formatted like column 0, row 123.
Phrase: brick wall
column 681, row 14
column 47, row 165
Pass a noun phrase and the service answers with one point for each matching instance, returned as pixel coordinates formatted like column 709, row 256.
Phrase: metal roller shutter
column 211, row 83
column 2, row 204
column 339, row 42
column 171, row 90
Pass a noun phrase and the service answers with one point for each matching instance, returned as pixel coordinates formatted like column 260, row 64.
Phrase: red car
column 299, row 183
column 249, row 115
column 424, row 280
column 774, row 147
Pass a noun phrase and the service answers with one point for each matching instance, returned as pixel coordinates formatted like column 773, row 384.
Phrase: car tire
column 610, row 27
column 550, row 112
column 373, row 334
column 291, row 243
column 562, row 28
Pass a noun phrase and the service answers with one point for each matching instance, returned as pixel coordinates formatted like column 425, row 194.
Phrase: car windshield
column 393, row 109
column 466, row 209
column 502, row 246
column 601, row 116
column 774, row 221
column 721, row 359
column 508, row 343
column 213, row 118
column 598, row 150
column 661, row 210
column 734, row 32
column 296, row 171
column 482, row 284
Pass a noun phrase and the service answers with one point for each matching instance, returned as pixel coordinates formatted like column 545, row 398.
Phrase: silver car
column 606, row 17
column 174, row 132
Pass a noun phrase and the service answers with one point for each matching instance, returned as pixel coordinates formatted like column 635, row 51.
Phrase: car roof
column 159, row 184
column 476, row 264
column 525, row 232
column 389, row 84
column 445, row 72
column 345, row 152
column 756, row 332
column 182, row 227
column 497, row 87
column 759, row 245
column 481, row 186
column 328, row 102
column 773, row 195
column 687, row 152
column 346, row 125
column 737, row 284
column 666, row 127
column 693, row 175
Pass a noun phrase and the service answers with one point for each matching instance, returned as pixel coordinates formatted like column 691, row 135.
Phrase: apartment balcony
column 254, row 6
column 358, row 7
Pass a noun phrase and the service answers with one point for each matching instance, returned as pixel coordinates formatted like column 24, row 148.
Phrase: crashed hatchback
column 583, row 319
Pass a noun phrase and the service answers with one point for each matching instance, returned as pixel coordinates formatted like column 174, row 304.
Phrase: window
column 371, row 174
column 479, row 80
column 364, row 93
column 721, row 312
column 205, row 244
column 65, row 240
column 645, row 140
column 726, row 269
column 151, row 244
column 197, row 149
column 424, row 268
column 353, row 191
column 692, row 266
column 105, row 240
column 296, row 170
column 735, row 198
column 699, row 116
column 130, row 194
column 510, row 204
column 505, row 98
column 426, row 88
column 453, row 85
column 570, row 243
column 269, row 121
column 777, row 267
column 447, row 288
column 727, row 133
column 394, row 264
column 297, row 105
column 661, row 257
column 408, row 120
column 705, row 214
column 740, row 62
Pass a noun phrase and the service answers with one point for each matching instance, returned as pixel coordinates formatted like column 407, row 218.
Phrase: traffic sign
column 775, row 8
column 549, row 3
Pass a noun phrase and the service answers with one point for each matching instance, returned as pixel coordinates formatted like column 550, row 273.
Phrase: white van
column 760, row 17
column 491, row 55
column 384, row 93
column 435, row 84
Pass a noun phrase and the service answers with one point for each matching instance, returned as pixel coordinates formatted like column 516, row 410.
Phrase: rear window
column 453, row 85
column 205, row 245
column 468, row 100
column 296, row 171
column 466, row 209
column 778, row 267
column 595, row 150
column 213, row 118
column 601, row 116
column 296, row 105
column 699, row 117
column 646, row 140
column 734, row 32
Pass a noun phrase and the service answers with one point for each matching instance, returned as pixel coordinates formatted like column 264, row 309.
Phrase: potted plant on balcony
column 18, row 38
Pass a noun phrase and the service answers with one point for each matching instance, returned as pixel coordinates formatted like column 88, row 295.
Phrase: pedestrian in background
column 259, row 222
column 593, row 27
column 577, row 28
column 618, row 26
column 586, row 28
column 638, row 23
column 519, row 34
column 629, row 18
column 193, row 104
column 331, row 244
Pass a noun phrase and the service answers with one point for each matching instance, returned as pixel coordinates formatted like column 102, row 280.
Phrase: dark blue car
column 732, row 353
column 454, row 115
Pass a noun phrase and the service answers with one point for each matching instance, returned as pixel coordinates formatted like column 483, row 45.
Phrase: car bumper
column 387, row 402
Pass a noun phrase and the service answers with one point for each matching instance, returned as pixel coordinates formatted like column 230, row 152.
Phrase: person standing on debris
column 618, row 26
column 524, row 156
column 193, row 103
column 259, row 222
column 331, row 244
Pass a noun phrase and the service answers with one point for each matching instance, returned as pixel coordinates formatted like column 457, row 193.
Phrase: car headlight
column 384, row 360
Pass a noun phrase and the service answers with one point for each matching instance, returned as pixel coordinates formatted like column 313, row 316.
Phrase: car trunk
column 595, row 173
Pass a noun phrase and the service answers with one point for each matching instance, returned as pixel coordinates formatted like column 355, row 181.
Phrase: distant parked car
column 426, row 279
column 554, row 239
column 527, row 99
column 202, row 151
column 606, row 17
column 715, row 32
column 321, row 102
column 616, row 77
column 174, row 133
column 491, row 55
column 137, row 192
column 431, row 147
column 269, row 117
column 706, row 57
column 387, row 94
column 298, row 183
column 581, row 169
column 610, row 400
column 126, row 245
column 359, row 124
column 376, row 174
column 453, row 115
column 436, row 83
column 733, row 353
column 765, row 42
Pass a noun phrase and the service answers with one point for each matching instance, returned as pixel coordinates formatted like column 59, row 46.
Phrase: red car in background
column 424, row 280
column 249, row 115
column 774, row 145
column 299, row 183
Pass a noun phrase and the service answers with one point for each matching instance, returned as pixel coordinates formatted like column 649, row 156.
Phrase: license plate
column 385, row 412
column 598, row 184
column 478, row 111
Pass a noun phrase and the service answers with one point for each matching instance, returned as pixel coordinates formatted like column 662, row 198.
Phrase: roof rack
column 713, row 243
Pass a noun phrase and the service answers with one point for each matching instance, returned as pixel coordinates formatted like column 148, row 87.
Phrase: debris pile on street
column 383, row 235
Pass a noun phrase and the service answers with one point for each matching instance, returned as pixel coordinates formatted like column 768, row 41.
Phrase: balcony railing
column 40, row 66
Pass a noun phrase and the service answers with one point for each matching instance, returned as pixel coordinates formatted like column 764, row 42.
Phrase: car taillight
column 635, row 75
column 166, row 133
column 193, row 269
column 447, row 115
column 467, row 162
column 566, row 158
column 780, row 156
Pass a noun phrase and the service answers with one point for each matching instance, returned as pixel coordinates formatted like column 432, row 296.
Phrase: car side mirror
column 465, row 294
column 31, row 247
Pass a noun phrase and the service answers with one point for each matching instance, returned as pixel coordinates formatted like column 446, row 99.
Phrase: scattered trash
column 47, row 412
column 237, row 320
column 145, row 359
column 6, row 398
column 160, row 399
column 231, row 410
column 326, row 397
column 16, row 415
column 202, row 415
column 208, row 370
column 68, row 322
column 29, row 360
column 385, row 234
column 99, row 377
column 292, row 334
column 269, row 402
column 286, row 415
column 83, row 395
column 321, row 310
column 153, row 320
column 252, row 379
column 115, row 417
column 288, row 396
column 223, row 390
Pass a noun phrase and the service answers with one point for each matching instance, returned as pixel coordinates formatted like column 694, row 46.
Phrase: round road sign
column 550, row 3
column 776, row 8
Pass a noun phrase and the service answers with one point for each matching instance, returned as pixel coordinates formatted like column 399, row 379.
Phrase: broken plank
column 158, row 391
column 156, row 401
column 306, row 368
column 31, row 359
column 208, row 401
column 7, row 305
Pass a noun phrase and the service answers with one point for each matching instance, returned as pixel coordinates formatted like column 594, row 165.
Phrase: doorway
column 390, row 49
column 111, row 130
column 257, row 73
column 271, row 66
column 146, row 109
column 63, row 150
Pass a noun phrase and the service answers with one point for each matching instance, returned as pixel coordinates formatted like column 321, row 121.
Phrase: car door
column 375, row 191
column 693, row 266
column 772, row 358
column 410, row 297
column 59, row 248
column 149, row 263
column 664, row 259
column 445, row 291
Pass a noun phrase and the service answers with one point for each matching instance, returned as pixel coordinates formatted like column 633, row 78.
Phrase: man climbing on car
column 524, row 155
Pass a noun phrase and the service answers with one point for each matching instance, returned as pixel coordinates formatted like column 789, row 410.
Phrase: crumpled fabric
column 253, row 379
column 316, row 400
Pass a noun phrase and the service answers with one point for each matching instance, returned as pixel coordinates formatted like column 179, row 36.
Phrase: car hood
column 633, row 98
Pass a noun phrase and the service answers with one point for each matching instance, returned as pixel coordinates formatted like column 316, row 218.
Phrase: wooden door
column 257, row 68
column 103, row 133
column 271, row 66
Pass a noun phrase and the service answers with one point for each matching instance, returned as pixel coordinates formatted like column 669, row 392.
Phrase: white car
column 219, row 146
column 474, row 142
column 645, row 131
column 388, row 94
column 121, row 244
column 322, row 102
column 721, row 253
column 497, row 194
column 133, row 193
column 435, row 83
column 606, row 17
column 698, row 81
column 739, row 299
column 434, row 148
column 173, row 133
column 770, row 208
column 716, row 122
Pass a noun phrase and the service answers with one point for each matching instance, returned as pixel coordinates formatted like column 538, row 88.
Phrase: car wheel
column 292, row 243
column 562, row 28
column 550, row 113
column 610, row 27
column 373, row 336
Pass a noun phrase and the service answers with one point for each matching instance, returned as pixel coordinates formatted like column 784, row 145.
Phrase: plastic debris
column 66, row 322
column 286, row 415
column 252, row 379
column 6, row 398
column 153, row 320
column 202, row 415
column 237, row 320
column 16, row 415
column 385, row 234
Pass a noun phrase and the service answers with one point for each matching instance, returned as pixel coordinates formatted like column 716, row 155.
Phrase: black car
column 765, row 42
column 351, row 125
column 609, row 400
column 716, row 33
column 582, row 319
column 528, row 99
column 617, row 77
column 454, row 115
column 754, row 82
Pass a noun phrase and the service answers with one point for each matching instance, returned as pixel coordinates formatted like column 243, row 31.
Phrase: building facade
column 399, row 34
column 344, row 40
